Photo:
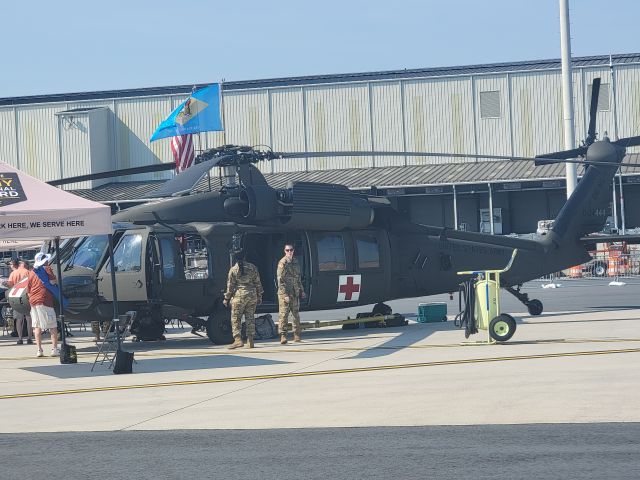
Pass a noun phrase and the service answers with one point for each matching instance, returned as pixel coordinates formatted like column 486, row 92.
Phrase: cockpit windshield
column 89, row 252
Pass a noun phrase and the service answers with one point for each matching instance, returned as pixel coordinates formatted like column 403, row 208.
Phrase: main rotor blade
column 542, row 159
column 628, row 142
column 593, row 111
column 185, row 181
column 159, row 167
column 563, row 155
column 375, row 153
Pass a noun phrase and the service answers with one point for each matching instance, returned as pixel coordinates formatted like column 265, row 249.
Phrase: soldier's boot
column 237, row 343
column 296, row 337
column 283, row 338
column 249, row 342
column 95, row 328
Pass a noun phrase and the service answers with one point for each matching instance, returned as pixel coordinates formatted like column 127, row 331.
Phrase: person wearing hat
column 43, row 316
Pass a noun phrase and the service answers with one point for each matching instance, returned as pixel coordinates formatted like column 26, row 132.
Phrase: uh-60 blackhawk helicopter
column 172, row 255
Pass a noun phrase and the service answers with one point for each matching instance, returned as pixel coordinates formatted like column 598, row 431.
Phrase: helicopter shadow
column 155, row 365
column 409, row 335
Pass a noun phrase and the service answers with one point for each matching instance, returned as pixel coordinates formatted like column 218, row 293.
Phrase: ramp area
column 575, row 365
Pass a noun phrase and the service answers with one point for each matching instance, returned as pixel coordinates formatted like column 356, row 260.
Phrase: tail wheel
column 502, row 327
column 534, row 306
column 219, row 327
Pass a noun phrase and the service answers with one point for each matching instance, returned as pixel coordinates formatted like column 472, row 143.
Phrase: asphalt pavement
column 561, row 451
column 558, row 401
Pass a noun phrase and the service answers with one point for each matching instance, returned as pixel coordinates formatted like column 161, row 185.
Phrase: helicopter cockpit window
column 88, row 253
column 368, row 252
column 331, row 253
column 128, row 254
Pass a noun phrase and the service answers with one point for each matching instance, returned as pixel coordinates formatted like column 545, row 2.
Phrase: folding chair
column 109, row 346
column 7, row 319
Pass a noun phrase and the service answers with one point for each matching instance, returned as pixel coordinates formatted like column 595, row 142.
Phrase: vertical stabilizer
column 586, row 210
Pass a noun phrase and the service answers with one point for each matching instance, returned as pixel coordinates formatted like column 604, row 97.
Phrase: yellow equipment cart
column 482, row 305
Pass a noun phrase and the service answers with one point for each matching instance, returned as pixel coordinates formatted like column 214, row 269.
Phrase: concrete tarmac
column 413, row 375
column 574, row 365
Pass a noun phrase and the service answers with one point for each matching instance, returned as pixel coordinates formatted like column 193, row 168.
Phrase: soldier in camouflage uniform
column 97, row 327
column 244, row 291
column 289, row 293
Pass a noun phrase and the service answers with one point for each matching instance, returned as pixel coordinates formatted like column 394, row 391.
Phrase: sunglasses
column 288, row 249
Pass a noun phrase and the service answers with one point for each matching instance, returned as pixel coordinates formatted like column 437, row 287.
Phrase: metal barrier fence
column 602, row 265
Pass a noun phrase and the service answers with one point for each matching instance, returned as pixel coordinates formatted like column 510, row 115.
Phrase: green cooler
column 432, row 312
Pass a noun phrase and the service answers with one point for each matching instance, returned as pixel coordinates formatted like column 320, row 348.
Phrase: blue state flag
column 198, row 113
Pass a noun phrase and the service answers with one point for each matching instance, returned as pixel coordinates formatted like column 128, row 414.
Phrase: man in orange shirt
column 19, row 271
column 43, row 316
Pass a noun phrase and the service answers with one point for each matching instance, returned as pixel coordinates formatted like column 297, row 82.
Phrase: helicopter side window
column 168, row 258
column 331, row 254
column 128, row 254
column 368, row 251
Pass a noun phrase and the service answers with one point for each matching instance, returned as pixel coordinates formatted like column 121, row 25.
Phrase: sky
column 79, row 46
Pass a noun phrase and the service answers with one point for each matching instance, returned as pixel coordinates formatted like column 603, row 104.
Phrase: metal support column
column 455, row 208
column 491, row 209
column 567, row 94
column 614, row 206
column 622, row 215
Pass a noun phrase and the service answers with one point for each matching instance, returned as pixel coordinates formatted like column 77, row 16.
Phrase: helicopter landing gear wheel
column 219, row 327
column 502, row 327
column 149, row 326
column 534, row 306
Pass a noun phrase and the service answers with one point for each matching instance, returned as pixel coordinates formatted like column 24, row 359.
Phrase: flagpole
column 224, row 131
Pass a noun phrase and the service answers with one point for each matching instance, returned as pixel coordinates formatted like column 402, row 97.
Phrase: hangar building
column 501, row 109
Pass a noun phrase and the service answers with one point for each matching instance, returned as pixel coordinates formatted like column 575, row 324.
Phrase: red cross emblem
column 349, row 288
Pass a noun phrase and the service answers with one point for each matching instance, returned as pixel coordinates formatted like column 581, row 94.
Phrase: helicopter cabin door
column 129, row 259
column 333, row 281
column 265, row 250
column 350, row 268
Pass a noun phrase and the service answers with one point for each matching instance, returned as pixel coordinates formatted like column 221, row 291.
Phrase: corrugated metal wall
column 75, row 147
column 8, row 150
column 430, row 114
column 628, row 100
column 38, row 141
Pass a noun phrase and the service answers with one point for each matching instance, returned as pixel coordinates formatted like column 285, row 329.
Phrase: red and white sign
column 18, row 288
column 349, row 288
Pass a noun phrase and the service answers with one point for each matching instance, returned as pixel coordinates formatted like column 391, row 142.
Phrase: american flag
column 183, row 154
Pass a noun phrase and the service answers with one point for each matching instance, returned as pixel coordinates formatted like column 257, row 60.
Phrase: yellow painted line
column 317, row 373
column 310, row 349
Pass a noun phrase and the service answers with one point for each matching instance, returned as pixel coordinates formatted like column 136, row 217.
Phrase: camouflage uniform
column 96, row 327
column 289, row 285
column 245, row 292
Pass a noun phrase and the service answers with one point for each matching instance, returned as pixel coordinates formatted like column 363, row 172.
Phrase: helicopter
column 172, row 255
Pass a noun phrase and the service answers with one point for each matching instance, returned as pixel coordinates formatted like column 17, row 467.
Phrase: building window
column 490, row 104
column 603, row 98
column 331, row 255
column 368, row 251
